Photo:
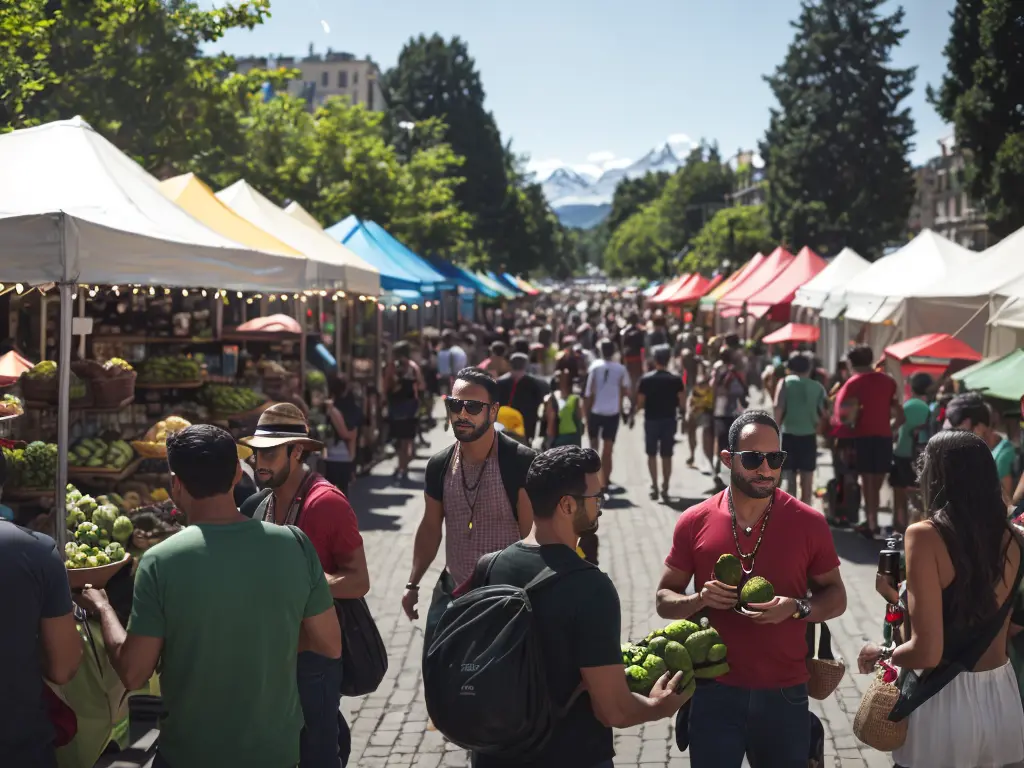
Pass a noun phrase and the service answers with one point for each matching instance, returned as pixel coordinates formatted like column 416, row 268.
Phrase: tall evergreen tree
column 981, row 94
column 437, row 78
column 836, row 147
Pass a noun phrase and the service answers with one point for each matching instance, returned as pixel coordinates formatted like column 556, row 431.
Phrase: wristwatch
column 803, row 609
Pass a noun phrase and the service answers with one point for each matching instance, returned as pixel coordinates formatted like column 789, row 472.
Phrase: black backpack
column 484, row 675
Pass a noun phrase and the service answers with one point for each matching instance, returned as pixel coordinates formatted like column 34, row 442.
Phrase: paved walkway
column 390, row 726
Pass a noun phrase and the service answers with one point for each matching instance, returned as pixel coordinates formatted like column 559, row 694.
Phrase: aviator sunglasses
column 752, row 459
column 472, row 407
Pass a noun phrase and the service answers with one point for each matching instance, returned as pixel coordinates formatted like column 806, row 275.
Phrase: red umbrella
column 940, row 346
column 793, row 332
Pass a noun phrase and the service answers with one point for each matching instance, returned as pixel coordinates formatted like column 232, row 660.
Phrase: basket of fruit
column 10, row 406
column 225, row 400
column 93, row 456
column 31, row 470
column 153, row 444
column 114, row 384
column 100, row 533
column 40, row 385
column 170, row 372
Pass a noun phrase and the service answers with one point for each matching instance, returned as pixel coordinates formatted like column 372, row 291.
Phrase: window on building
column 324, row 79
column 940, row 209
column 343, row 79
column 369, row 96
column 355, row 78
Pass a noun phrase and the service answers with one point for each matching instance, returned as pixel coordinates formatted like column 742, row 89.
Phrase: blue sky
column 596, row 83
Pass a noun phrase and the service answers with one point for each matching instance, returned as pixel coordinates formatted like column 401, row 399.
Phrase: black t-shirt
column 661, row 394
column 526, row 396
column 656, row 337
column 632, row 342
column 35, row 587
column 579, row 620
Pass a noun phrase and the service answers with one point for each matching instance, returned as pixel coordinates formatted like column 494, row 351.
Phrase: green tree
column 436, row 78
column 25, row 69
column 981, row 96
column 732, row 234
column 836, row 147
column 694, row 193
column 639, row 248
column 631, row 194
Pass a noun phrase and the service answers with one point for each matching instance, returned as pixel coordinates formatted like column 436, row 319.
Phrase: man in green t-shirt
column 220, row 605
column 910, row 440
column 800, row 402
column 969, row 411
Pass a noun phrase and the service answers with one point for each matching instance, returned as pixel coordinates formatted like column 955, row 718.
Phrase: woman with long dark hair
column 963, row 563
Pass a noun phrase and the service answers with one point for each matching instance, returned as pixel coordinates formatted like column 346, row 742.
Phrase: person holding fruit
column 754, row 553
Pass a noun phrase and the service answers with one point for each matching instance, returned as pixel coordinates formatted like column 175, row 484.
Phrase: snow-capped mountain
column 582, row 201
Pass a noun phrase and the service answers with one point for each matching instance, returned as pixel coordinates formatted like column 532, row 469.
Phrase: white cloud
column 618, row 162
column 680, row 138
column 600, row 157
column 544, row 168
column 588, row 169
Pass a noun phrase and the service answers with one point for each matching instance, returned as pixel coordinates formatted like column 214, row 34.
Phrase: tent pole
column 63, row 414
column 337, row 335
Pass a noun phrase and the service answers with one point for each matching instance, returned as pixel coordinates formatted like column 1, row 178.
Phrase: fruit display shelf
column 242, row 415
column 169, row 384
column 28, row 494
column 42, row 406
column 107, row 474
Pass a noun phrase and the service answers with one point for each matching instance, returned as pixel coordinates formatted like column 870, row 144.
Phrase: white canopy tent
column 1005, row 331
column 74, row 209
column 336, row 266
column 299, row 213
column 811, row 297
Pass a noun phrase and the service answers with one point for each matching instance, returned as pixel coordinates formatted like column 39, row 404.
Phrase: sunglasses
column 753, row 459
column 472, row 407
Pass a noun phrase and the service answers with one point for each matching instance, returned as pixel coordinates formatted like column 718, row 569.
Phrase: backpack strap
column 514, row 460
column 256, row 505
column 549, row 575
column 437, row 468
column 482, row 571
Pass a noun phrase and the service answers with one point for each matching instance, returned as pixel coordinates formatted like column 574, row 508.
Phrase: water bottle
column 890, row 558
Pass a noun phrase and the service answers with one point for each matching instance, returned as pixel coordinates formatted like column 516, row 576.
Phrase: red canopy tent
column 694, row 289
column 793, row 333
column 669, row 288
column 731, row 303
column 776, row 298
column 936, row 354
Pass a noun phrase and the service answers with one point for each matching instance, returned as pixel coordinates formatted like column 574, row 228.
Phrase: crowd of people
column 241, row 615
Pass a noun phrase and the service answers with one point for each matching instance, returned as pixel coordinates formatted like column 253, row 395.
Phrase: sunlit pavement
column 390, row 727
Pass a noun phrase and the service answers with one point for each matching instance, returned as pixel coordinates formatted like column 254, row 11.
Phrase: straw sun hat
column 282, row 424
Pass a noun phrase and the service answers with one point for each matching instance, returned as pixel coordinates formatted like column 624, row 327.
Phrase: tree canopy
column 734, row 235
column 838, row 142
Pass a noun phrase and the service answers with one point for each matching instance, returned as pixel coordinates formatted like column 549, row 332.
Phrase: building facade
column 941, row 202
column 323, row 76
column 749, row 187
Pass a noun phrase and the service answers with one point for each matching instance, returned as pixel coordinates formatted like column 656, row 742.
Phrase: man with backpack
column 473, row 490
column 524, row 668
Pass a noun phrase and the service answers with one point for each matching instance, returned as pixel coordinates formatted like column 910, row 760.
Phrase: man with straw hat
column 296, row 495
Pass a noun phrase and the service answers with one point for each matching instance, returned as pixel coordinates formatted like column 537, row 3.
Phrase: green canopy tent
column 1001, row 378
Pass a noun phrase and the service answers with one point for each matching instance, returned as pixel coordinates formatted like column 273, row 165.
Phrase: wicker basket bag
column 872, row 724
column 825, row 669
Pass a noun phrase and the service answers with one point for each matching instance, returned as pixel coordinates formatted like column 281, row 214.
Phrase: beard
column 747, row 488
column 474, row 434
column 581, row 523
column 276, row 480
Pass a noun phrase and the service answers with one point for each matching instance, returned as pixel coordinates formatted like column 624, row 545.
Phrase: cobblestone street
column 390, row 727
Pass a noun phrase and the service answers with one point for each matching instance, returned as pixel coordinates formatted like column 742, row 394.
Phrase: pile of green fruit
column 100, row 530
column 39, row 465
column 754, row 590
column 15, row 458
column 95, row 453
column 11, row 406
column 223, row 398
column 115, row 366
column 696, row 650
column 169, row 370
column 43, row 370
column 316, row 380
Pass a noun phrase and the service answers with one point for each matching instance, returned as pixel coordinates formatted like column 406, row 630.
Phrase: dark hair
column 968, row 406
column 607, row 349
column 401, row 350
column 559, row 472
column 662, row 354
column 798, row 363
column 745, row 419
column 204, row 458
column 339, row 386
column 499, row 348
column 860, row 356
column 964, row 501
column 448, row 336
column 521, row 345
column 920, row 383
column 519, row 361
column 479, row 378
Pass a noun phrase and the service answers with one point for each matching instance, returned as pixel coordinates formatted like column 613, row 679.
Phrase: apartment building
column 325, row 75
column 750, row 187
column 941, row 202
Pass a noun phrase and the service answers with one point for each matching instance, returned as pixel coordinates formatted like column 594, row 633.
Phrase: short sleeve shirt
column 330, row 523
column 797, row 546
column 228, row 602
column 35, row 587
column 604, row 383
column 916, row 413
column 1004, row 456
column 873, row 394
column 661, row 394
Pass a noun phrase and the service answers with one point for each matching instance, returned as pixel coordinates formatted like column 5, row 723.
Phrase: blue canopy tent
column 393, row 275
column 413, row 264
column 461, row 277
column 505, row 282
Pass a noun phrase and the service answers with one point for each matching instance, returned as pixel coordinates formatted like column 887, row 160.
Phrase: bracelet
column 412, row 586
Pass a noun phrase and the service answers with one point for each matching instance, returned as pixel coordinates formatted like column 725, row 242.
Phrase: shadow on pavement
column 618, row 502
column 378, row 492
column 851, row 546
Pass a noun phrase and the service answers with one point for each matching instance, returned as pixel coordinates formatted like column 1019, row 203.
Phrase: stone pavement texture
column 390, row 727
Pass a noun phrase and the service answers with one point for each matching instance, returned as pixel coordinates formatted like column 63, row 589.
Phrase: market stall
column 937, row 354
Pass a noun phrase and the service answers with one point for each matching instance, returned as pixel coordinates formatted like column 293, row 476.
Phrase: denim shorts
column 660, row 436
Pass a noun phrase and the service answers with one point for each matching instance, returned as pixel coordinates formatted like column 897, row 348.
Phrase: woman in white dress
column 963, row 563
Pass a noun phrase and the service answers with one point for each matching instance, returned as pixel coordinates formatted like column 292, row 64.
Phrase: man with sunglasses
column 578, row 617
column 759, row 708
column 473, row 490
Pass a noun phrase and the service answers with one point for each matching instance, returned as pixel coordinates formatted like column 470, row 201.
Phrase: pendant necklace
column 747, row 531
column 474, row 488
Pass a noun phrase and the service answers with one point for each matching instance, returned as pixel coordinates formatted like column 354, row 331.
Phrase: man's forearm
column 672, row 605
column 827, row 603
column 113, row 635
column 424, row 550
column 641, row 709
column 348, row 585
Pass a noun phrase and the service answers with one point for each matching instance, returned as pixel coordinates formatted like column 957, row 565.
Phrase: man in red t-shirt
column 759, row 708
column 301, row 497
column 868, row 414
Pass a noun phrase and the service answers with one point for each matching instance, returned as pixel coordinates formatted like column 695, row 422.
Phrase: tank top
column 567, row 424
